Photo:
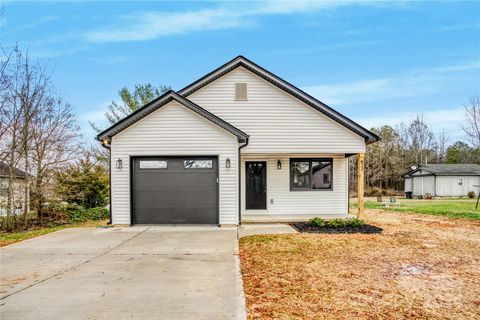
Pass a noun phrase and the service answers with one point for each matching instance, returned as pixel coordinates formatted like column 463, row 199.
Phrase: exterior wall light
column 119, row 163
column 279, row 164
column 227, row 163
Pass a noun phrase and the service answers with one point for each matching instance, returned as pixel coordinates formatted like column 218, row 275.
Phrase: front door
column 256, row 184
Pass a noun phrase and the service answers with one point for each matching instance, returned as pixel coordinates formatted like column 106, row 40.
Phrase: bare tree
column 37, row 130
column 54, row 130
column 421, row 140
column 472, row 123
column 442, row 146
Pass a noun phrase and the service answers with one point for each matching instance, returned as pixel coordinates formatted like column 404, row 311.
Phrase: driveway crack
column 75, row 266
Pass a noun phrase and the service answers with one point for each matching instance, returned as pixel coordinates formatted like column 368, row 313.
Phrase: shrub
column 98, row 213
column 355, row 223
column 373, row 192
column 471, row 194
column 336, row 223
column 317, row 222
column 81, row 214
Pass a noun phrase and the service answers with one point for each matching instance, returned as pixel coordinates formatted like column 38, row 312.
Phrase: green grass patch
column 447, row 208
column 7, row 238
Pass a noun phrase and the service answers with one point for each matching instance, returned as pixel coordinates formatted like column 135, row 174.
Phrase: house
column 18, row 189
column 443, row 180
column 238, row 142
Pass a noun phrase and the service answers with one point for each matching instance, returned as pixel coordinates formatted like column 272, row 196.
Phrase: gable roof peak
column 241, row 61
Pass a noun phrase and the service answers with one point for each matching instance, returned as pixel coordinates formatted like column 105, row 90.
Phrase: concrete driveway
column 124, row 273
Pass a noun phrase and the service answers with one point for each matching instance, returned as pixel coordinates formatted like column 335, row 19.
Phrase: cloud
column 443, row 118
column 96, row 115
column 109, row 60
column 458, row 27
column 448, row 120
column 325, row 47
column 149, row 25
column 411, row 84
column 152, row 25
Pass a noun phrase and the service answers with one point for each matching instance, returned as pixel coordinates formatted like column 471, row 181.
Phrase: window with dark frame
column 311, row 174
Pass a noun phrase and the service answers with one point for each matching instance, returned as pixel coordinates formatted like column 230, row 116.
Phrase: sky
column 376, row 62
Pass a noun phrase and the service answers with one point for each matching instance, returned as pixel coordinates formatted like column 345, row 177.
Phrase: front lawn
column 419, row 267
column 464, row 208
column 7, row 238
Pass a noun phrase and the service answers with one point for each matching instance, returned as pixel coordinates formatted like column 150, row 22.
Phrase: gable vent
column 240, row 91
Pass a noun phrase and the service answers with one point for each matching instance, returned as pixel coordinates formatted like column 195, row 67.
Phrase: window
column 240, row 91
column 460, row 182
column 198, row 164
column 311, row 174
column 153, row 164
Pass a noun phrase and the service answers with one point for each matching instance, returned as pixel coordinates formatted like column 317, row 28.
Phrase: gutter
column 240, row 181
column 107, row 146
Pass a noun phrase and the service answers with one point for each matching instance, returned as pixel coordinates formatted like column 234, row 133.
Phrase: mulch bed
column 305, row 227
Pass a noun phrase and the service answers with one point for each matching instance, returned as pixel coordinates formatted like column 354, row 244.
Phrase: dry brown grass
column 420, row 267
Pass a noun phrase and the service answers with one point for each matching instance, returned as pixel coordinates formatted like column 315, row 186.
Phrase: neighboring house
column 239, row 141
column 443, row 180
column 18, row 188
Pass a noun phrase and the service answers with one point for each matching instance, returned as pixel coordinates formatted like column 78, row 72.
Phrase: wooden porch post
column 361, row 184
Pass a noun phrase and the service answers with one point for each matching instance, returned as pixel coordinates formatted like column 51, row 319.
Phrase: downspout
column 106, row 145
column 240, row 181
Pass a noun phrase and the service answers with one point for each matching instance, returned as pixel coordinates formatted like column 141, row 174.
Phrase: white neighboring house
column 18, row 189
column 443, row 180
column 239, row 142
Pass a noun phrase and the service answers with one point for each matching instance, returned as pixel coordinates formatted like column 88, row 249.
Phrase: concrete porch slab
column 285, row 218
column 263, row 228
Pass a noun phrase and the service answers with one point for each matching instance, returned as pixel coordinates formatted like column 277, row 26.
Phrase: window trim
column 140, row 168
column 310, row 160
column 185, row 168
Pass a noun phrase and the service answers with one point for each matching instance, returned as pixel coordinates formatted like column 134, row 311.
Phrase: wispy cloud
column 325, row 47
column 456, row 27
column 417, row 82
column 141, row 26
column 109, row 60
column 448, row 120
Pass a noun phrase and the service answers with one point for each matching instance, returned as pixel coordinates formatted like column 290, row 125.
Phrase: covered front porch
column 279, row 188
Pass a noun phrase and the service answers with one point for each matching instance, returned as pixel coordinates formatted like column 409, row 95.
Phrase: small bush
column 80, row 214
column 471, row 194
column 317, row 222
column 336, row 223
column 355, row 223
column 98, row 213
column 373, row 192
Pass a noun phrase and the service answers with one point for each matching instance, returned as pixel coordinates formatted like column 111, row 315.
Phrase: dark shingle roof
column 5, row 171
column 450, row 169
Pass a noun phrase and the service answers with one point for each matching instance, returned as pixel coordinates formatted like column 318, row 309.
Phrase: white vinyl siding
column 174, row 130
column 323, row 202
column 276, row 121
column 408, row 184
column 448, row 185
column 423, row 185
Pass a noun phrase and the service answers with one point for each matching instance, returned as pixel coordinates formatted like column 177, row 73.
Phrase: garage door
column 175, row 190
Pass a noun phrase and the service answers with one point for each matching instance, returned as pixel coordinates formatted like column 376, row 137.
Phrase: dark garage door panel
column 175, row 195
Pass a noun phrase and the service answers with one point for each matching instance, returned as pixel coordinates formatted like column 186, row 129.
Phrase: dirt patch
column 416, row 268
column 308, row 228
